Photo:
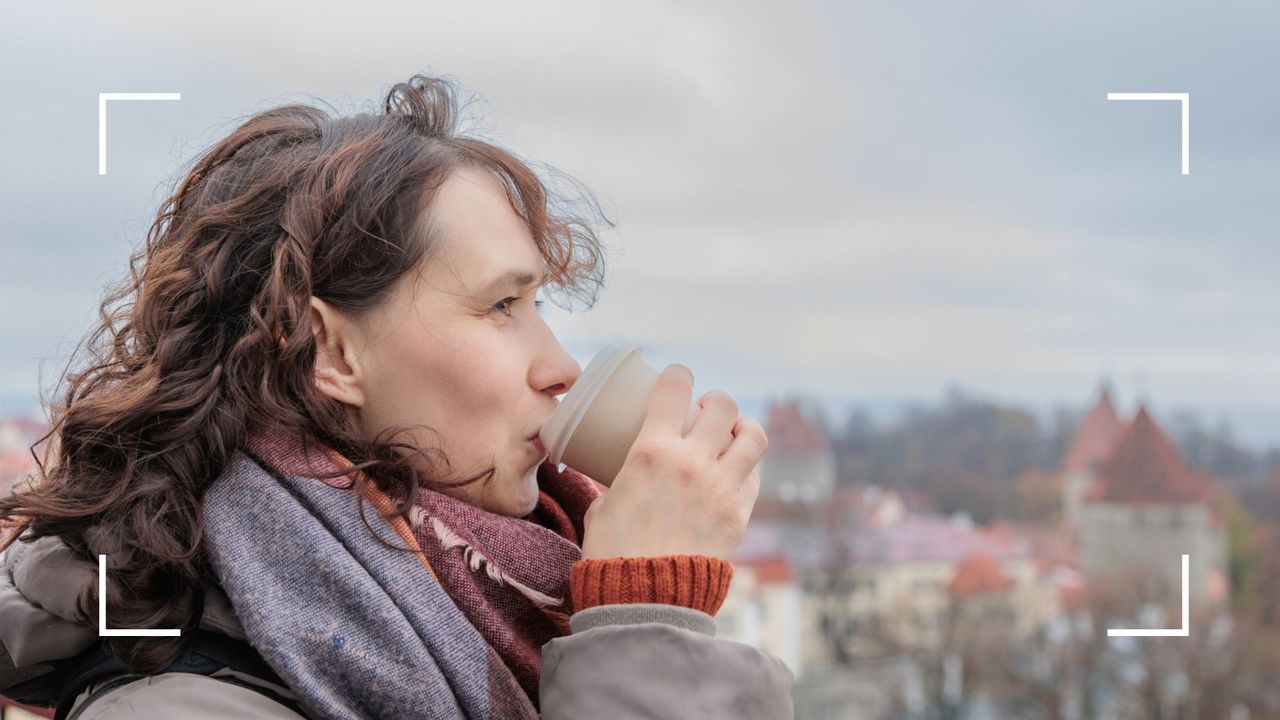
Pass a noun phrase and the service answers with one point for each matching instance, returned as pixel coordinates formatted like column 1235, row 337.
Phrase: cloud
column 859, row 198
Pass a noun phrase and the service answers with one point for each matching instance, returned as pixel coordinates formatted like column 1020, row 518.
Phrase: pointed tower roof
column 1146, row 467
column 789, row 431
column 1096, row 437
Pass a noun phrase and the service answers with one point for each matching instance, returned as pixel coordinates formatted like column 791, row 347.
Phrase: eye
column 504, row 306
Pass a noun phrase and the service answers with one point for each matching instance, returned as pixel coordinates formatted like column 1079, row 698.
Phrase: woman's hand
column 674, row 495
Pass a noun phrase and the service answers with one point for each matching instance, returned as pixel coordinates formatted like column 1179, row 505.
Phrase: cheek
column 475, row 398
column 417, row 381
column 464, row 383
column 489, row 387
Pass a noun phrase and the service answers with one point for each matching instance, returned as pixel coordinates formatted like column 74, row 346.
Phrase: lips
column 537, row 442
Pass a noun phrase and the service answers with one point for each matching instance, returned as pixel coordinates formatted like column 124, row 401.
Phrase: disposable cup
column 600, row 417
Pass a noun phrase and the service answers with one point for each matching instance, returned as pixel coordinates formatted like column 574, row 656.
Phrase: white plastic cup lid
column 564, row 421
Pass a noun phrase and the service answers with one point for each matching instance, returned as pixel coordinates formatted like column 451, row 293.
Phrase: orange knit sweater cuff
column 693, row 581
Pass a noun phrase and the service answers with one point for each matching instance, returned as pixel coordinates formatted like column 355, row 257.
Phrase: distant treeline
column 967, row 454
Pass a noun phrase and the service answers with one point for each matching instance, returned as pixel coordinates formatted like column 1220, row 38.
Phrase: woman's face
column 458, row 347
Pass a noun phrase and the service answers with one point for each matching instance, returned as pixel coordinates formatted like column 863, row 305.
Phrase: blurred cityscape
column 967, row 559
column 967, row 562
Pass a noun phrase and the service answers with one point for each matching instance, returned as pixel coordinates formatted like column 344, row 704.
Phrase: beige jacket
column 646, row 661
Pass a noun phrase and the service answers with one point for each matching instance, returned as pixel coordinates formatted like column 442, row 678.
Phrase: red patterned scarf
column 509, row 576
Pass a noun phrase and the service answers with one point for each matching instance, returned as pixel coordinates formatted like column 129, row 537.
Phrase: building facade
column 1141, row 508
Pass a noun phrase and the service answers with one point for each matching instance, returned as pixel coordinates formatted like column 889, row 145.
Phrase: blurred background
column 1012, row 362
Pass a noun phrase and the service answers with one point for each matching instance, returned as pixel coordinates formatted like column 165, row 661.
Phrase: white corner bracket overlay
column 102, row 612
column 102, row 117
column 1184, row 631
column 1185, row 99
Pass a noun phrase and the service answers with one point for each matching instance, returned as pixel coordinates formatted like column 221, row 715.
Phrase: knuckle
column 646, row 453
column 721, row 398
column 689, row 469
column 754, row 433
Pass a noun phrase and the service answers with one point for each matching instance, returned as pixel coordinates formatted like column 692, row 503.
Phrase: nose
column 555, row 371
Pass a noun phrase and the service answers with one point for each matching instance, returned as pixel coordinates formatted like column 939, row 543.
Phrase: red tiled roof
column 1096, row 436
column 789, row 431
column 1145, row 467
column 978, row 574
column 769, row 570
column 1048, row 547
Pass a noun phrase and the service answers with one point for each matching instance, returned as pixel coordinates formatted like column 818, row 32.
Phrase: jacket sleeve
column 15, row 609
column 658, row 661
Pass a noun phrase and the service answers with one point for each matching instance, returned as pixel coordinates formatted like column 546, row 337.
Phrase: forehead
column 476, row 233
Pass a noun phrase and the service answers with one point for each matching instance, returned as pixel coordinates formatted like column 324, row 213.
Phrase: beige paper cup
column 600, row 417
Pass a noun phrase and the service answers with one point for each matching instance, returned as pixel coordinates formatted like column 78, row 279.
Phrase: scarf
column 452, row 627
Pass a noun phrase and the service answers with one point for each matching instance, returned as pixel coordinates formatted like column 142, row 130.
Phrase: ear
column 338, row 372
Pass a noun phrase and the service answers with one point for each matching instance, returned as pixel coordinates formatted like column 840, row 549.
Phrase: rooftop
column 1146, row 467
column 978, row 574
column 1095, row 438
column 790, row 431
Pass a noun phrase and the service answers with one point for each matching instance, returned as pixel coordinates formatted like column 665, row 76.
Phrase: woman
column 308, row 442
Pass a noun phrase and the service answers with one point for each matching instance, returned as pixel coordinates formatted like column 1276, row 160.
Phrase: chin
column 528, row 507
column 516, row 507
column 520, row 500
column 529, row 491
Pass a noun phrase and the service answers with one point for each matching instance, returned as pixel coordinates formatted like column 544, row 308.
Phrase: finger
column 714, row 422
column 669, row 401
column 748, row 446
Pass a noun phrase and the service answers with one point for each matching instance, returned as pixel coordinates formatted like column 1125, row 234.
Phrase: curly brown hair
column 210, row 338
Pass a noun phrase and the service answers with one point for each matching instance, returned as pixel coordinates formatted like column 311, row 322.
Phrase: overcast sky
column 861, row 201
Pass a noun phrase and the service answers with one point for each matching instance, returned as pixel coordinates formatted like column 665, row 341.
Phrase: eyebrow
column 511, row 278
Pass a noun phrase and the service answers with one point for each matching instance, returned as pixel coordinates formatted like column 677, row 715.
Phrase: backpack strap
column 204, row 653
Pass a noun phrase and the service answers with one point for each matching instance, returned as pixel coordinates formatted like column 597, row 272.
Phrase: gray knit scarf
column 357, row 629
